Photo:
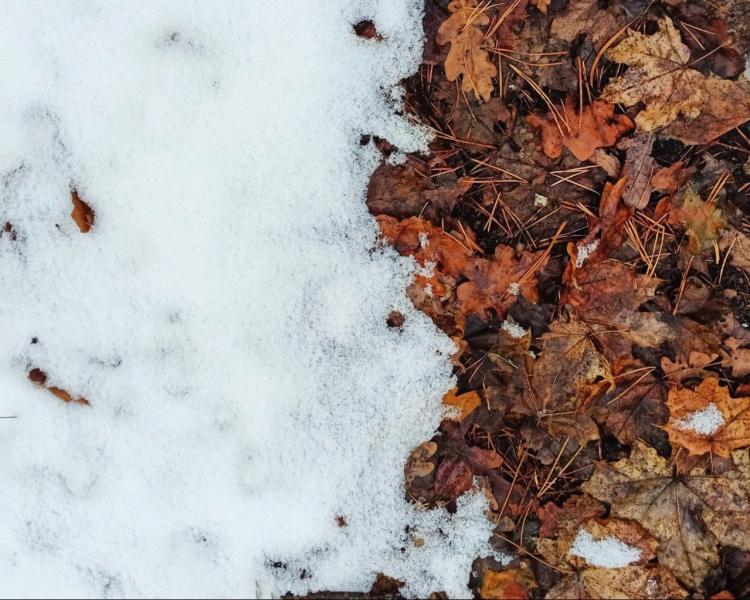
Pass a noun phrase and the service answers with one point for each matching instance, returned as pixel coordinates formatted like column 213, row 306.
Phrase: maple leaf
column 562, row 378
column 461, row 405
column 658, row 76
column 727, row 106
column 707, row 420
column 467, row 58
column 634, row 409
column 690, row 514
column 596, row 126
column 495, row 283
column 595, row 575
column 702, row 221
column 82, row 213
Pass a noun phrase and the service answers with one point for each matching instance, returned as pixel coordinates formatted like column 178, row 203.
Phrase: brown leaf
column 453, row 478
column 707, row 420
column 584, row 17
column 727, row 106
column 467, row 58
column 669, row 179
column 494, row 284
column 419, row 464
column 82, row 213
column 40, row 378
column 596, row 126
column 573, row 512
column 639, row 168
column 688, row 513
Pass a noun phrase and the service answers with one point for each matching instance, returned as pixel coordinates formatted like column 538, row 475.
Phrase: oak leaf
column 690, row 514
column 659, row 76
column 467, row 58
column 596, row 126
column 707, row 420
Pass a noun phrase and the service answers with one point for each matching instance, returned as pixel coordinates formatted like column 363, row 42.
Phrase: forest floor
column 582, row 230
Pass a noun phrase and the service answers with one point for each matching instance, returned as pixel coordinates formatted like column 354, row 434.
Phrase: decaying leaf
column 659, row 76
column 707, row 419
column 639, row 169
column 596, row 126
column 467, row 58
column 82, row 213
column 419, row 464
column 690, row 514
column 584, row 17
column 727, row 106
column 461, row 405
column 703, row 221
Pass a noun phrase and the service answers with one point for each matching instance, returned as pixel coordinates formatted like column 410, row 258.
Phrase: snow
column 705, row 421
column 608, row 552
column 512, row 328
column 226, row 315
column 514, row 289
column 584, row 251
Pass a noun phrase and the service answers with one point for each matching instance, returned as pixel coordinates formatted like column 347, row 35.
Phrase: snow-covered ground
column 225, row 317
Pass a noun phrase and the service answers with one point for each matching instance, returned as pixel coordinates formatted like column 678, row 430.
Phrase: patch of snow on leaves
column 584, row 251
column 608, row 552
column 706, row 421
column 226, row 314
column 512, row 328
column 514, row 289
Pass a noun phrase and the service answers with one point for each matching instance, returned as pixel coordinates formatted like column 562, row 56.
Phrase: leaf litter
column 590, row 263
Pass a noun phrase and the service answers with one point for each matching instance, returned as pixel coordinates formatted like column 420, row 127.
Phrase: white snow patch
column 540, row 201
column 225, row 316
column 513, row 329
column 584, row 251
column 706, row 421
column 514, row 289
column 424, row 241
column 608, row 552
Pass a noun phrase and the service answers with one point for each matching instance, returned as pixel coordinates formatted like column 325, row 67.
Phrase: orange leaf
column 505, row 585
column 462, row 404
column 82, row 213
column 595, row 127
column 707, row 420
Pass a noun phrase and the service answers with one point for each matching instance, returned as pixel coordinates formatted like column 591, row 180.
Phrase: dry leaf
column 690, row 514
column 467, row 58
column 39, row 377
column 82, row 213
column 702, row 221
column 639, row 168
column 658, row 76
column 727, row 106
column 707, row 420
column 511, row 584
column 419, row 464
column 596, row 126
column 461, row 405
column 584, row 16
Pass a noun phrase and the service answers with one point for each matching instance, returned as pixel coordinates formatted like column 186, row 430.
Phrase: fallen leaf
column 584, row 17
column 461, row 405
column 82, row 213
column 703, row 221
column 453, row 478
column 669, row 179
column 596, row 126
column 467, row 58
column 511, row 584
column 419, row 464
column 639, row 169
column 690, row 514
column 39, row 377
column 658, row 75
column 707, row 419
column 542, row 5
column 727, row 106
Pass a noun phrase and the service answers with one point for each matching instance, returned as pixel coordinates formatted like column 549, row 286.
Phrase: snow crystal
column 512, row 328
column 608, row 552
column 584, row 252
column 226, row 314
column 706, row 421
